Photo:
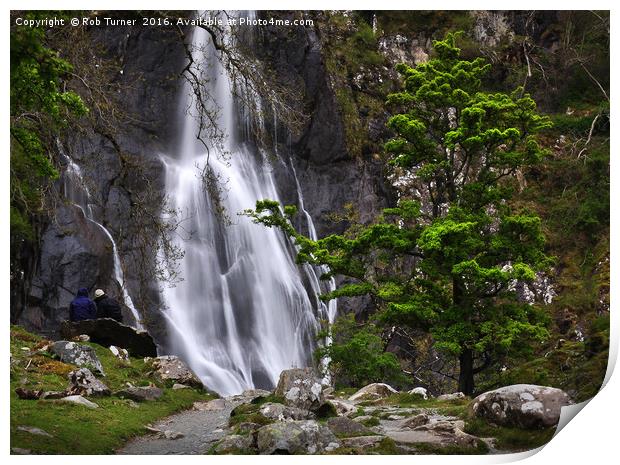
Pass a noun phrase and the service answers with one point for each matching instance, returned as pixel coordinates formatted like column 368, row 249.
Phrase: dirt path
column 200, row 429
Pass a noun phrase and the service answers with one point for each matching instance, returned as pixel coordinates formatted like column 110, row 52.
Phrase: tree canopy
column 446, row 257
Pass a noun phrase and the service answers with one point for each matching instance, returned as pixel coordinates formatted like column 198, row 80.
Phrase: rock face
column 140, row 394
column 295, row 437
column 522, row 405
column 84, row 383
column 301, row 388
column 76, row 354
column 172, row 368
column 373, row 391
column 107, row 332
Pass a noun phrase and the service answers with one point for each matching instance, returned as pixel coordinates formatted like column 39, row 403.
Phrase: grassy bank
column 75, row 429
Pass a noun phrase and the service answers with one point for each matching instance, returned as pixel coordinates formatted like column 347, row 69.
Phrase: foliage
column 76, row 429
column 40, row 106
column 445, row 258
column 357, row 355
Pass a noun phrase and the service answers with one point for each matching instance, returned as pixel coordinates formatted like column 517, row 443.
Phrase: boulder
column 453, row 396
column 84, row 383
column 343, row 407
column 373, row 391
column 77, row 354
column 301, row 388
column 172, row 368
column 235, row 443
column 140, row 394
column 79, row 400
column 521, row 405
column 295, row 437
column 416, row 421
column 108, row 332
column 345, row 427
column 420, row 391
column 281, row 412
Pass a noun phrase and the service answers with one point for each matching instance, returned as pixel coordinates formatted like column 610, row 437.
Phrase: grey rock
column 109, row 332
column 345, row 427
column 343, row 407
column 172, row 368
column 281, row 412
column 295, row 437
column 54, row 394
column 521, row 405
column 301, row 388
column 247, row 427
column 420, row 391
column 79, row 400
column 140, row 394
column 119, row 353
column 84, row 383
column 77, row 354
column 416, row 421
column 173, row 434
column 177, row 386
column 373, row 391
column 34, row 430
column 362, row 442
column 20, row 451
column 235, row 443
column 453, row 396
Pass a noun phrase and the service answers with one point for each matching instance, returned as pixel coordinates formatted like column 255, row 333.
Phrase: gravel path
column 200, row 429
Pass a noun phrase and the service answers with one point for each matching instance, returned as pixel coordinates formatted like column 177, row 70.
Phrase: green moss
column 509, row 439
column 374, row 421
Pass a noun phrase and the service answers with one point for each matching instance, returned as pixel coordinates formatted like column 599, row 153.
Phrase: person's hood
column 83, row 292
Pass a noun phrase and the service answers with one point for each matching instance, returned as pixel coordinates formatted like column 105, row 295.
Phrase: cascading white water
column 77, row 192
column 241, row 315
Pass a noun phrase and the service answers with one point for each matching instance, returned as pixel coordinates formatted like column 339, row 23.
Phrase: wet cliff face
column 119, row 168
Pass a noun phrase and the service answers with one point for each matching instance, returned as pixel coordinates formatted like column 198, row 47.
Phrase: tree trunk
column 466, row 372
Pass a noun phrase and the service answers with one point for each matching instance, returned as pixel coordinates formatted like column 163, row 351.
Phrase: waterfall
column 241, row 314
column 77, row 192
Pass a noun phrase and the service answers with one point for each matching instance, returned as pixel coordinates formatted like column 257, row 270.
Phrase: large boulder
column 281, row 412
column 172, row 368
column 521, row 405
column 373, row 391
column 301, row 388
column 295, row 437
column 235, row 444
column 84, row 383
column 77, row 354
column 108, row 332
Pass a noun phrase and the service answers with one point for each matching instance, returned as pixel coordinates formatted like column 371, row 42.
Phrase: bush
column 357, row 355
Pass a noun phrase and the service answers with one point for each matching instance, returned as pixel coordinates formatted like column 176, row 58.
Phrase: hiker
column 82, row 308
column 107, row 307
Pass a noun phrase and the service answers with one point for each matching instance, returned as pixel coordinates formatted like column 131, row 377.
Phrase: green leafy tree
column 446, row 257
column 357, row 354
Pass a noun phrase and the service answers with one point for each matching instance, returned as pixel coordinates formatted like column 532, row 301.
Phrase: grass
column 76, row 429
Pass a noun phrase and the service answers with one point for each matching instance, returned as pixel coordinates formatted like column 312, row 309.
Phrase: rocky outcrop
column 281, row 412
column 107, row 332
column 521, row 405
column 373, row 391
column 295, row 437
column 77, row 354
column 170, row 368
column 301, row 388
column 345, row 427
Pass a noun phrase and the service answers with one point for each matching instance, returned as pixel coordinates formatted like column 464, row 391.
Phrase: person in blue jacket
column 82, row 308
